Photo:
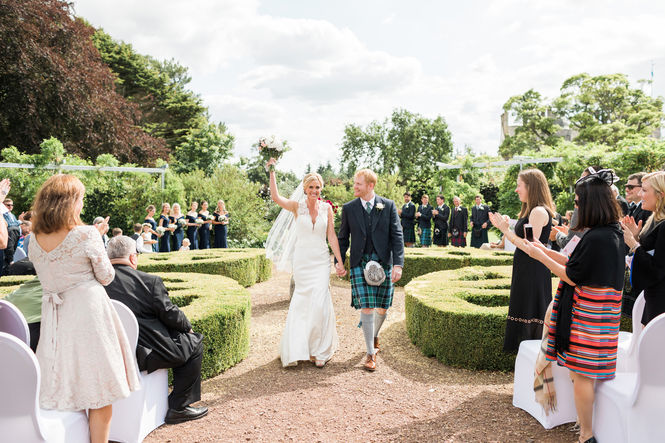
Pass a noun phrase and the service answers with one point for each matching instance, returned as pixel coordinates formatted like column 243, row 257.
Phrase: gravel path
column 409, row 398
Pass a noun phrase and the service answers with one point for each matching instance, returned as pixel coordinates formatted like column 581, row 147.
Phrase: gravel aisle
column 409, row 398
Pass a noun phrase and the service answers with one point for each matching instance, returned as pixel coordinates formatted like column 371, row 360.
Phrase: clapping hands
column 499, row 221
column 5, row 186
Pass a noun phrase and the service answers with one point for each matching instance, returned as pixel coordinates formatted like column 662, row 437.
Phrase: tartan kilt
column 367, row 296
column 409, row 234
column 459, row 239
column 426, row 236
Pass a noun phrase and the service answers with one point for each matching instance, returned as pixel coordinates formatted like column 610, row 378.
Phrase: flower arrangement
column 210, row 217
column 198, row 221
column 160, row 230
column 172, row 226
column 332, row 205
column 222, row 218
column 182, row 222
column 271, row 148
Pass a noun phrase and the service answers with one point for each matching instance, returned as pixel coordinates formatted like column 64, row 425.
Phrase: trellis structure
column 503, row 164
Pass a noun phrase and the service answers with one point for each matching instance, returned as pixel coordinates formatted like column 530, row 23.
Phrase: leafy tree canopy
column 204, row 148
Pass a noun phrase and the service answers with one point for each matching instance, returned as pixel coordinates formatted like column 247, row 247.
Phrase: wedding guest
column 102, row 227
column 5, row 186
column 408, row 220
column 634, row 197
column 220, row 223
column 166, row 338
column 480, row 222
column 623, row 203
column 192, row 225
column 459, row 222
column 164, row 222
column 13, row 233
column 145, row 243
column 204, row 229
column 116, row 232
column 177, row 219
column 149, row 218
column 648, row 246
column 86, row 361
column 584, row 325
column 531, row 286
column 564, row 233
column 10, row 218
column 441, row 215
column 138, row 228
column 424, row 216
column 185, row 245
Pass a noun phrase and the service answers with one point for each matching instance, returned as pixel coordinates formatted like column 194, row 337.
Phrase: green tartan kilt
column 426, row 236
column 367, row 296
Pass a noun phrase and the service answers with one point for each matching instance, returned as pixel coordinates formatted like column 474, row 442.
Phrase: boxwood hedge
column 459, row 316
column 246, row 266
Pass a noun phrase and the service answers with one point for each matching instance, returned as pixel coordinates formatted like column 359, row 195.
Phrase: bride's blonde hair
column 310, row 177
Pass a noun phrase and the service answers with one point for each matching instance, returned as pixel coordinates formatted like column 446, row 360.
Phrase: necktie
column 368, row 207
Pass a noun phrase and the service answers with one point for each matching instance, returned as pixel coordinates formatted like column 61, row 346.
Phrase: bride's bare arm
column 332, row 236
column 289, row 205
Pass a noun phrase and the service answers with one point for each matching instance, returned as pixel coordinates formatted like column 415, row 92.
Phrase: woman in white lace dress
column 310, row 332
column 85, row 358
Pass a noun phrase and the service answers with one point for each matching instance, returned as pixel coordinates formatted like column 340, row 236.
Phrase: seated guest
column 166, row 339
column 116, row 232
column 28, row 299
column 21, row 267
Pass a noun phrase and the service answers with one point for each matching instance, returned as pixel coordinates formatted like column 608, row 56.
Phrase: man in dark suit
column 408, row 216
column 372, row 223
column 459, row 222
column 424, row 216
column 166, row 339
column 480, row 222
column 441, row 215
column 634, row 197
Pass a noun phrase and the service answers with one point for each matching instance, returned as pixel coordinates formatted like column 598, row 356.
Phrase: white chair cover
column 13, row 322
column 144, row 410
column 630, row 407
column 524, row 396
column 21, row 420
column 19, row 254
column 627, row 350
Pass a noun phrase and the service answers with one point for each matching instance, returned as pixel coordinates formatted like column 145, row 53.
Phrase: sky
column 302, row 70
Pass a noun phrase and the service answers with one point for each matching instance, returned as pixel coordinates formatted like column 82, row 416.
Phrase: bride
column 297, row 242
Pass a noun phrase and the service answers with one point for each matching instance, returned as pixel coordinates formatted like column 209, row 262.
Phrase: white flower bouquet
column 198, row 221
column 172, row 226
column 160, row 230
column 271, row 148
column 182, row 222
column 210, row 217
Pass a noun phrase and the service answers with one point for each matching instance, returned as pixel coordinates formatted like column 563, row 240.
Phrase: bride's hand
column 339, row 268
column 5, row 186
column 271, row 162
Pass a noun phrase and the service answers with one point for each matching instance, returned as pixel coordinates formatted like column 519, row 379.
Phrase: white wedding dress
column 310, row 328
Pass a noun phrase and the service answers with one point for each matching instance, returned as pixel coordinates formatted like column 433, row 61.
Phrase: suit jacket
column 386, row 232
column 441, row 219
column 408, row 215
column 459, row 219
column 640, row 214
column 425, row 219
column 164, row 340
column 480, row 216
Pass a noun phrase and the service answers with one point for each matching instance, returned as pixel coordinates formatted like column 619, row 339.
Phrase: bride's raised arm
column 289, row 205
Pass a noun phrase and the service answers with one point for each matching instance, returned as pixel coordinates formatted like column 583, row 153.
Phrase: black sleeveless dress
column 530, row 293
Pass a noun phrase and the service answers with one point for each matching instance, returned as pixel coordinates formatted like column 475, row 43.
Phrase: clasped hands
column 534, row 249
column 395, row 275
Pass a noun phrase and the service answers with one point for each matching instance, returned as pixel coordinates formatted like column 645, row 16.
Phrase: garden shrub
column 459, row 316
column 246, row 266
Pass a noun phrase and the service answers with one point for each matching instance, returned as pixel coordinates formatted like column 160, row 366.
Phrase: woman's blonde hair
column 175, row 205
column 367, row 174
column 311, row 177
column 54, row 207
column 657, row 181
column 164, row 205
column 538, row 192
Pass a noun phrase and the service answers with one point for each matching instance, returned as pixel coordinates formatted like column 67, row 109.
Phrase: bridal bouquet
column 222, row 218
column 333, row 205
column 271, row 148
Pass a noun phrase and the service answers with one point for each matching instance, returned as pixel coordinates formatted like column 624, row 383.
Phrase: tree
column 159, row 88
column 538, row 124
column 53, row 83
column 204, row 148
column 408, row 144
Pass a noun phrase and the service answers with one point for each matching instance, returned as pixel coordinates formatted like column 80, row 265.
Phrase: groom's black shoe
column 174, row 416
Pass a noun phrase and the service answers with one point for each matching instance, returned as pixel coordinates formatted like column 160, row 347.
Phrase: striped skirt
column 594, row 332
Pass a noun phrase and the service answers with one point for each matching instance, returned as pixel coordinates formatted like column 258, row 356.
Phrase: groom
column 373, row 224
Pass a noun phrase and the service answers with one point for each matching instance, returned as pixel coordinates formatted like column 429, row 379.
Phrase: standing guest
column 648, row 245
column 459, row 222
column 185, row 245
column 204, row 229
column 149, row 218
column 164, row 222
column 634, row 198
column 441, row 215
column 479, row 223
column 531, row 286
column 584, row 325
column 85, row 358
column 116, row 232
column 623, row 203
column 4, row 234
column 103, row 227
column 408, row 220
column 166, row 338
column 179, row 232
column 424, row 216
column 137, row 231
column 13, row 233
column 565, row 234
column 220, row 223
column 192, row 226
column 145, row 243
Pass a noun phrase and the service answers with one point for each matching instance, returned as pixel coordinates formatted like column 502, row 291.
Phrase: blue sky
column 302, row 70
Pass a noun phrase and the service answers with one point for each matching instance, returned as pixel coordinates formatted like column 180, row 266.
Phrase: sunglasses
column 631, row 187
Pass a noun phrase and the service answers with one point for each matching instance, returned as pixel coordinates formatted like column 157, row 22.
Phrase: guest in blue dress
column 179, row 232
column 149, row 218
column 220, row 224
column 204, row 230
column 164, row 222
column 192, row 226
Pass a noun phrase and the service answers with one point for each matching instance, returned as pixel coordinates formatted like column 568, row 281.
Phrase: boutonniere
column 380, row 206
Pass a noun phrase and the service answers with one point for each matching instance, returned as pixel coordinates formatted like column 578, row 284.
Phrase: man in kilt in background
column 373, row 226
column 424, row 216
column 408, row 216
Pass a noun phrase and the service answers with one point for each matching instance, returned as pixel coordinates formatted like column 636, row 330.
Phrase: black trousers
column 187, row 382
